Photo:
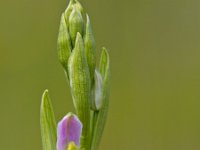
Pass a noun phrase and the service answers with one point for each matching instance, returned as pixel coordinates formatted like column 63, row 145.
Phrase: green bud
column 90, row 48
column 64, row 44
column 68, row 11
column 104, row 65
column 102, row 114
column 76, row 24
column 79, row 7
column 80, row 86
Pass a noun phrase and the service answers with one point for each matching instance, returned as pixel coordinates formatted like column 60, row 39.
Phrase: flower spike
column 89, row 85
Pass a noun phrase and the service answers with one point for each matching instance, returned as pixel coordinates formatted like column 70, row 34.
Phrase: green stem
column 93, row 125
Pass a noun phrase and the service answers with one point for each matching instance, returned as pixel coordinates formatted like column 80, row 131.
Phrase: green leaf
column 47, row 123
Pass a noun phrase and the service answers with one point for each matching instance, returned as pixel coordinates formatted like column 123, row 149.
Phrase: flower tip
column 79, row 40
column 45, row 97
column 104, row 50
column 87, row 17
column 105, row 53
column 46, row 92
column 78, row 36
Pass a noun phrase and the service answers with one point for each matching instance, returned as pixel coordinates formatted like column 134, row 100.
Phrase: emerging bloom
column 68, row 131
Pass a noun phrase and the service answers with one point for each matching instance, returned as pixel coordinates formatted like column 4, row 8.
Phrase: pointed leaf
column 47, row 123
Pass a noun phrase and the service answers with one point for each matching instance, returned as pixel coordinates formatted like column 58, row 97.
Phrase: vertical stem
column 93, row 126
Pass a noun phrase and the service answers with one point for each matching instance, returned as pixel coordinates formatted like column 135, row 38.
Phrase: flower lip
column 69, row 130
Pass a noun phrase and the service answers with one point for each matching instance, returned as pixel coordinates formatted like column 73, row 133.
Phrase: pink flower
column 69, row 130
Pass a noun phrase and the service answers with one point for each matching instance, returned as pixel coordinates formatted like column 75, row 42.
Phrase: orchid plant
column 89, row 86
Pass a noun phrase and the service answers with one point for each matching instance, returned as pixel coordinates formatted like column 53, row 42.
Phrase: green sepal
column 102, row 113
column 47, row 123
column 90, row 48
column 80, row 86
column 64, row 43
column 76, row 24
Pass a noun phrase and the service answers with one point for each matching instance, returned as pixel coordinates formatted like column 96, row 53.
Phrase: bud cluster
column 89, row 84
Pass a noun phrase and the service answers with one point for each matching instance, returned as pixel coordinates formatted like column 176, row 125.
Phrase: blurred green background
column 154, row 47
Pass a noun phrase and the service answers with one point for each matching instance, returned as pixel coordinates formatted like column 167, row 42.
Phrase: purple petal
column 69, row 130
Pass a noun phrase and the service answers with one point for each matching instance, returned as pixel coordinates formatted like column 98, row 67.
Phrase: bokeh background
column 154, row 47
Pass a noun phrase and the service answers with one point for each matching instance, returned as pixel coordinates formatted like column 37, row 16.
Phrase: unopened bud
column 68, row 11
column 79, row 7
column 76, row 24
column 90, row 48
column 80, row 85
column 64, row 44
column 97, row 101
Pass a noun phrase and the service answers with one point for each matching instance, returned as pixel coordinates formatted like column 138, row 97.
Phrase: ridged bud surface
column 80, row 85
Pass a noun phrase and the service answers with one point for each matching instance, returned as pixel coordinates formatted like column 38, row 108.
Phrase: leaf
column 47, row 123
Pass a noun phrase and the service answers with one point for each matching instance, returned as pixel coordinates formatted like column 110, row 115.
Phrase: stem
column 93, row 125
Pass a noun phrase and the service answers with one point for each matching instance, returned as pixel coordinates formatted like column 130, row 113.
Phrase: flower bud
column 79, row 7
column 90, row 48
column 69, row 132
column 68, row 11
column 97, row 102
column 76, row 24
column 80, row 85
column 64, row 44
